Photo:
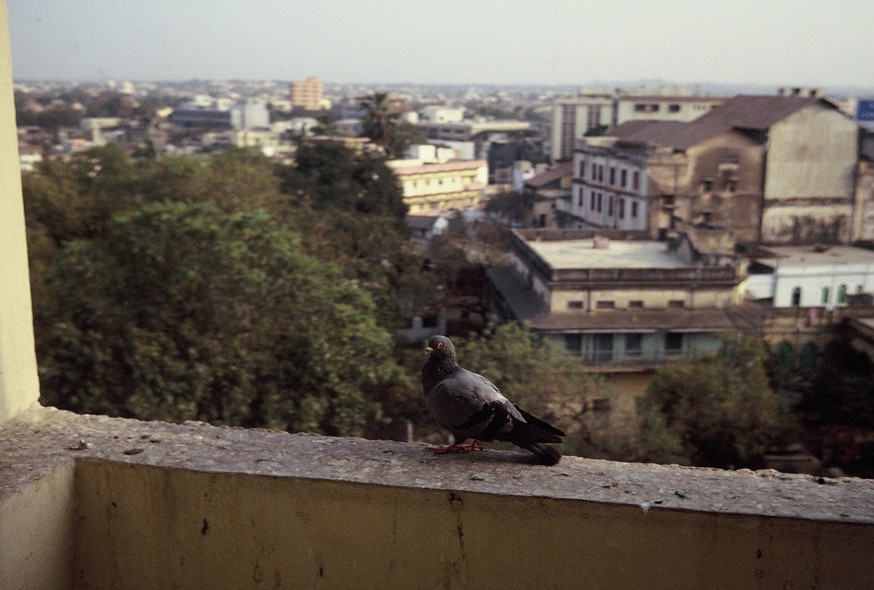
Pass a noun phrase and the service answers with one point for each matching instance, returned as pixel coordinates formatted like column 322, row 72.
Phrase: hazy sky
column 779, row 42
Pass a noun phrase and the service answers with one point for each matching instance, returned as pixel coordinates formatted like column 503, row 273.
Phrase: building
column 209, row 113
column 440, row 114
column 595, row 110
column 610, row 185
column 433, row 187
column 813, row 277
column 624, row 304
column 306, row 94
column 469, row 130
column 544, row 193
column 774, row 169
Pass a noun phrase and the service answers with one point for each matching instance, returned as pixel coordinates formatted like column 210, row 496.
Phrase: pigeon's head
column 440, row 347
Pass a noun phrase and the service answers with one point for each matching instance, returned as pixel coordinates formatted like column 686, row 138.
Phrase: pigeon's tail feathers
column 532, row 430
column 542, row 425
column 547, row 454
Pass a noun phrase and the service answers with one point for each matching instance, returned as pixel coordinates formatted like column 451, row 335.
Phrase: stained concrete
column 46, row 438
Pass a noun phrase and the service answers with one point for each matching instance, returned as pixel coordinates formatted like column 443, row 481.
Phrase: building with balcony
column 435, row 187
column 627, row 301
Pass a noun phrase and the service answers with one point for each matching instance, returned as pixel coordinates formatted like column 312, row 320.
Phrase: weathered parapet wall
column 193, row 506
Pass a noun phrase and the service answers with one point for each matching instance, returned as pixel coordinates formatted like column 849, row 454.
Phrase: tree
column 380, row 119
column 717, row 412
column 185, row 312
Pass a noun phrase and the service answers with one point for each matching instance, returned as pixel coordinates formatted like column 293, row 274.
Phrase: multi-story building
column 625, row 304
column 610, row 186
column 433, row 187
column 306, row 94
column 469, row 130
column 595, row 110
column 774, row 169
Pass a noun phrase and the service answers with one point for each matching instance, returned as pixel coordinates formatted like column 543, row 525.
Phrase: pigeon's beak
column 428, row 350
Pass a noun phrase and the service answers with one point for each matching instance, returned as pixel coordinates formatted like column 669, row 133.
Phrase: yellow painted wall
column 19, row 386
column 36, row 533
column 148, row 527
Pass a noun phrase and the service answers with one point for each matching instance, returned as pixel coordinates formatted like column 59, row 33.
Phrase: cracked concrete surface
column 45, row 438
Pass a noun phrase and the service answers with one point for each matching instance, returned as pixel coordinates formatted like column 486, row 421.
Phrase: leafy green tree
column 718, row 412
column 186, row 312
column 841, row 390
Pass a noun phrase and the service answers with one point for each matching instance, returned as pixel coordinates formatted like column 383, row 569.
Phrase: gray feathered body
column 472, row 407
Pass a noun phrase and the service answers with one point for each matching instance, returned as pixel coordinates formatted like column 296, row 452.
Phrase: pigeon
column 471, row 407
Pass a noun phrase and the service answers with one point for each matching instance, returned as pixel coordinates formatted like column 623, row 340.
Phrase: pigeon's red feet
column 458, row 448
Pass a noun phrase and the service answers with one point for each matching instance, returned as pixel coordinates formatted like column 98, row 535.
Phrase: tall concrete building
column 595, row 110
column 306, row 94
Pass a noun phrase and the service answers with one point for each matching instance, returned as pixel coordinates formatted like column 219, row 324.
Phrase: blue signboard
column 865, row 111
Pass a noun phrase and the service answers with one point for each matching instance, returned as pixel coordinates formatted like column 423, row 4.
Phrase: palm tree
column 380, row 121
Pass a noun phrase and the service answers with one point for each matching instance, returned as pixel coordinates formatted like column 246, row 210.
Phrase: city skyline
column 801, row 43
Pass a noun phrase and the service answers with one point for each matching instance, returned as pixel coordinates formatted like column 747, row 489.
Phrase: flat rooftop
column 573, row 254
column 809, row 255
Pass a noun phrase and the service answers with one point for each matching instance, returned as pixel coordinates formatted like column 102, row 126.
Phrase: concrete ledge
column 163, row 505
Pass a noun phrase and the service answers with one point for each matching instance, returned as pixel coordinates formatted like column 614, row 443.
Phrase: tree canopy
column 183, row 288
column 717, row 412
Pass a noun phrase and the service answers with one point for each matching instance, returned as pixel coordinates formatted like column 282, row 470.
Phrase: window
column 785, row 357
column 807, row 357
column 796, row 296
column 825, row 295
column 673, row 108
column 573, row 343
column 582, row 169
column 599, row 202
column 592, row 201
column 635, row 180
column 677, row 303
column 575, row 305
column 623, row 178
column 706, row 185
column 634, row 209
column 603, row 352
column 621, row 208
column 842, row 294
column 673, row 343
column 594, row 172
column 612, row 175
column 610, row 206
column 633, row 344
column 635, row 304
column 606, row 305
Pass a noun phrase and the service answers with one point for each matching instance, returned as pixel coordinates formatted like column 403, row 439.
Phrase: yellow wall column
column 19, row 385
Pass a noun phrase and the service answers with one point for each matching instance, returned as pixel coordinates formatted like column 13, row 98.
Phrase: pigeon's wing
column 470, row 406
